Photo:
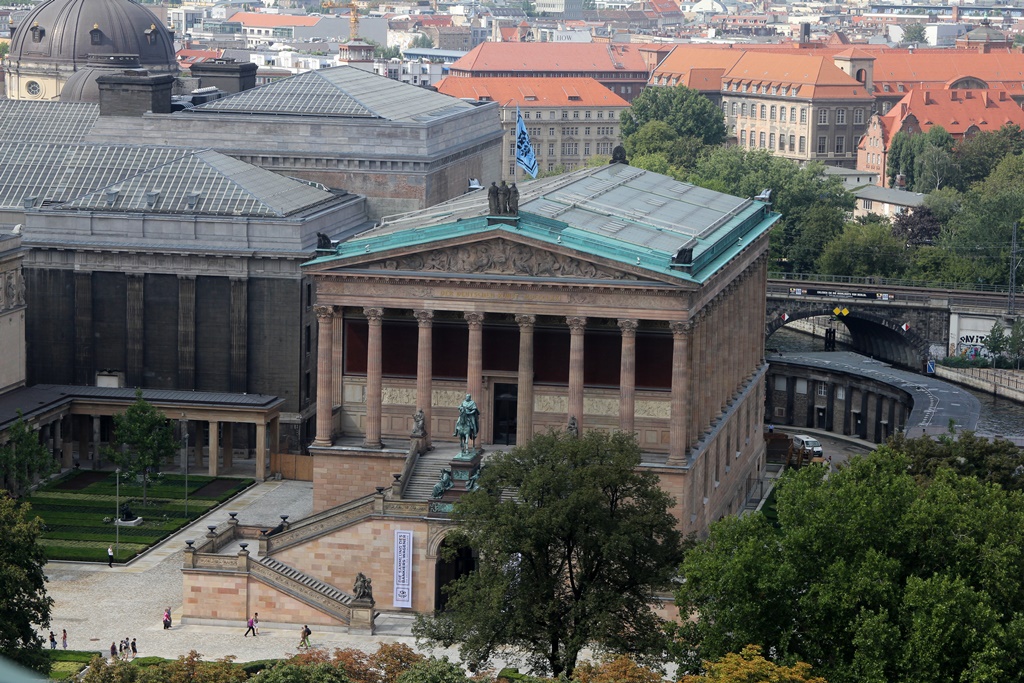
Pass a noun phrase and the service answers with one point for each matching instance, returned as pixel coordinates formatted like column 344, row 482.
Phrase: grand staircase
column 426, row 473
column 303, row 587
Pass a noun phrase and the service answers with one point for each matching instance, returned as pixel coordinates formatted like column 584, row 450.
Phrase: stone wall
column 340, row 476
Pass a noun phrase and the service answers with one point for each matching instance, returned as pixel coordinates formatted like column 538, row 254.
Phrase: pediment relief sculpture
column 501, row 257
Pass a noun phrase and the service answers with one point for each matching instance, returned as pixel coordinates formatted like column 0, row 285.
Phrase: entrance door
column 447, row 571
column 505, row 396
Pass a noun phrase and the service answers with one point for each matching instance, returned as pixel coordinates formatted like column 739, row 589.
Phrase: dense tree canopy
column 687, row 112
column 24, row 605
column 143, row 439
column 748, row 666
column 569, row 561
column 913, row 33
column 23, row 458
column 864, row 249
column 870, row 576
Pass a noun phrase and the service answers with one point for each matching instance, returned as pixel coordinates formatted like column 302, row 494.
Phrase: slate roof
column 343, row 91
column 618, row 212
column 151, row 179
column 31, row 121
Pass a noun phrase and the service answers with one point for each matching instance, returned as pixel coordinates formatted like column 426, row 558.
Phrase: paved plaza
column 98, row 605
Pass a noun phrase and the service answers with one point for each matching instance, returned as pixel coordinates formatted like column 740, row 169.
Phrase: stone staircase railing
column 315, row 593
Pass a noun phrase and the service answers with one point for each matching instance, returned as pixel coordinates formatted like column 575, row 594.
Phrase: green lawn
column 78, row 511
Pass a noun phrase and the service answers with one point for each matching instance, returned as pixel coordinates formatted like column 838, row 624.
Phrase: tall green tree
column 686, row 111
column 24, row 605
column 913, row 33
column 143, row 439
column 871, row 575
column 1015, row 344
column 569, row 560
column 997, row 341
column 977, row 155
column 864, row 249
column 22, row 457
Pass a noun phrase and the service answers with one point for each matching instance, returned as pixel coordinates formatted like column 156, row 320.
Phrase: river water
column 999, row 417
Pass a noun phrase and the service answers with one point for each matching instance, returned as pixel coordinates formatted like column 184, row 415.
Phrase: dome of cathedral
column 66, row 32
column 82, row 86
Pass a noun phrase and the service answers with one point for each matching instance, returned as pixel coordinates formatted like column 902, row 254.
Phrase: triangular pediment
column 495, row 256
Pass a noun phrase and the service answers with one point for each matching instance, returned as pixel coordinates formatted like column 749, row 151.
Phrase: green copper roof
column 616, row 212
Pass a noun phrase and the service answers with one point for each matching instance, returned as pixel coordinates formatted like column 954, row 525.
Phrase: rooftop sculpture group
column 503, row 200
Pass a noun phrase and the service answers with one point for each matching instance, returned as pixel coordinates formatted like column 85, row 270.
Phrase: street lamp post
column 117, row 515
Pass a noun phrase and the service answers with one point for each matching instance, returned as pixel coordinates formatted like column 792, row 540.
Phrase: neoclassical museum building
column 614, row 298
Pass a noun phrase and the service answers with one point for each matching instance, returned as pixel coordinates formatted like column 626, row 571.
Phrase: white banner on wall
column 403, row 569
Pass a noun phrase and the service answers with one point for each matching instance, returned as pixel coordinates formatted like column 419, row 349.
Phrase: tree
column 657, row 140
column 935, row 168
column 422, row 40
column 191, row 668
column 1015, row 344
column 870, row 575
column 994, row 461
column 914, row 33
column 23, row 458
column 750, row 667
column 996, row 341
column 569, row 561
column 864, row 249
column 619, row 669
column 5, row 49
column 818, row 226
column 685, row 111
column 977, row 155
column 143, row 439
column 24, row 605
column 434, row 670
column 917, row 227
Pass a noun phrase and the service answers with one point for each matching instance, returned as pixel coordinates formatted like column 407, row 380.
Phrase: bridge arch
column 872, row 334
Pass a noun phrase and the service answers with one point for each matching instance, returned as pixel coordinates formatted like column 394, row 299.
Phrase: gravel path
column 98, row 605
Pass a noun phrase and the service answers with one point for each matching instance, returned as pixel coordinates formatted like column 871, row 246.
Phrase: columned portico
column 680, row 393
column 524, row 377
column 577, row 327
column 474, row 362
column 374, row 372
column 324, row 375
column 425, row 367
column 627, row 376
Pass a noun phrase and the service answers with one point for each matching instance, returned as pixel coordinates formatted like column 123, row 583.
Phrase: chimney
column 225, row 74
column 133, row 92
column 805, row 33
column 1002, row 95
column 928, row 98
column 985, row 96
column 956, row 13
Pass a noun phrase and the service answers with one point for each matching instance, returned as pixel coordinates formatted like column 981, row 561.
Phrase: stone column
column 524, row 398
column 67, row 446
column 214, row 449
column 338, row 365
column 186, row 332
column 425, row 367
column 83, row 439
column 475, row 361
column 577, row 326
column 627, row 377
column 229, row 445
column 324, row 375
column 680, row 392
column 261, row 451
column 95, row 442
column 134, row 331
column 200, row 444
column 84, row 359
column 697, row 366
column 274, row 435
column 239, row 334
column 374, row 370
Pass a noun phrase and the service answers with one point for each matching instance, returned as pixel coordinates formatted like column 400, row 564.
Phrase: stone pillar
column 324, row 375
column 524, row 398
column 186, row 332
column 680, row 392
column 67, row 445
column 239, row 334
column 84, row 430
column 577, row 326
column 84, row 360
column 134, row 323
column 95, row 442
column 627, row 377
column 338, row 365
column 261, row 451
column 200, row 443
column 229, row 445
column 425, row 368
column 214, row 449
column 374, row 370
column 475, row 362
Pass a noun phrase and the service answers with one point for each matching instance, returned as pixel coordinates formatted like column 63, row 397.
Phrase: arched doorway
column 446, row 571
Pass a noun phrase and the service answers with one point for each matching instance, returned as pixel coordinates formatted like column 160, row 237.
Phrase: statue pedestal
column 134, row 522
column 462, row 469
column 362, row 617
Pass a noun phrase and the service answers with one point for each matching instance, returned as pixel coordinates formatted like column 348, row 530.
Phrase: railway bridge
column 888, row 319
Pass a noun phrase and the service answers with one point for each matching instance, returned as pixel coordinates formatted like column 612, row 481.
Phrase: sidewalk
column 98, row 605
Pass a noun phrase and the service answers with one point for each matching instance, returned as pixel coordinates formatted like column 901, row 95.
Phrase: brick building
column 569, row 119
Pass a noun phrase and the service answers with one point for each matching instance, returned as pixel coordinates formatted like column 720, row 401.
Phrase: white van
column 808, row 444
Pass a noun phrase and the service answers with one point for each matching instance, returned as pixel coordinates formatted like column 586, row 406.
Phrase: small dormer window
column 96, row 35
column 37, row 33
column 151, row 34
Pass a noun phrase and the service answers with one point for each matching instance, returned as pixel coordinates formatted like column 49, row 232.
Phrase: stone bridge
column 898, row 324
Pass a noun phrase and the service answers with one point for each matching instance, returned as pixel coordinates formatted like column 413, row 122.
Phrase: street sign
column 905, row 327
column 930, row 368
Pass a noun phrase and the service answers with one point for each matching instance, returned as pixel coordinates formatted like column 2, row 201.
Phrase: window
column 858, row 116
column 822, row 389
column 866, row 204
column 792, row 143
column 586, row 130
column 823, row 117
column 782, row 143
column 840, row 144
column 587, row 115
column 551, row 114
column 743, row 109
column 764, row 111
column 803, row 115
column 801, row 385
column 803, row 144
column 600, row 115
column 840, row 393
column 792, row 115
column 760, row 139
column 775, row 90
column 771, row 141
column 551, row 131
column 309, row 294
column 586, row 149
column 885, row 107
column 780, row 383
column 33, row 88
column 725, row 108
column 575, row 114
column 604, row 148
column 764, row 89
column 734, row 107
column 570, row 148
column 840, row 117
column 900, row 87
column 822, row 144
column 771, row 115
column 782, row 114
column 551, row 149
column 565, row 114
column 526, row 115
column 743, row 138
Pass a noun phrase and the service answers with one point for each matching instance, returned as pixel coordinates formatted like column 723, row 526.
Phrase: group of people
column 167, row 618
column 63, row 639
column 126, row 649
column 304, row 635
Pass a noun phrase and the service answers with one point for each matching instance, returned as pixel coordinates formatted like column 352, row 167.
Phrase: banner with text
column 403, row 569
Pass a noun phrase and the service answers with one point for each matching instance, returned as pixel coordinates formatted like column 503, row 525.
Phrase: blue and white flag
column 525, row 157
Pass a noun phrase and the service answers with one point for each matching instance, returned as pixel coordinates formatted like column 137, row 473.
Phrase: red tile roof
column 533, row 92
column 260, row 20
column 551, row 57
column 958, row 111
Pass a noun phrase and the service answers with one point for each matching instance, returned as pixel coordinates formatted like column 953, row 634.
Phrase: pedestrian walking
column 135, row 649
column 64, row 637
column 167, row 618
column 304, row 637
column 113, row 650
column 110, row 556
column 120, row 649
column 256, row 623
column 53, row 641
column 250, row 628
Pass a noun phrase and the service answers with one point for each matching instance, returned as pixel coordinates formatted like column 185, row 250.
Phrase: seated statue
column 126, row 513
column 363, row 588
column 444, row 483
column 419, row 428
column 323, row 241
